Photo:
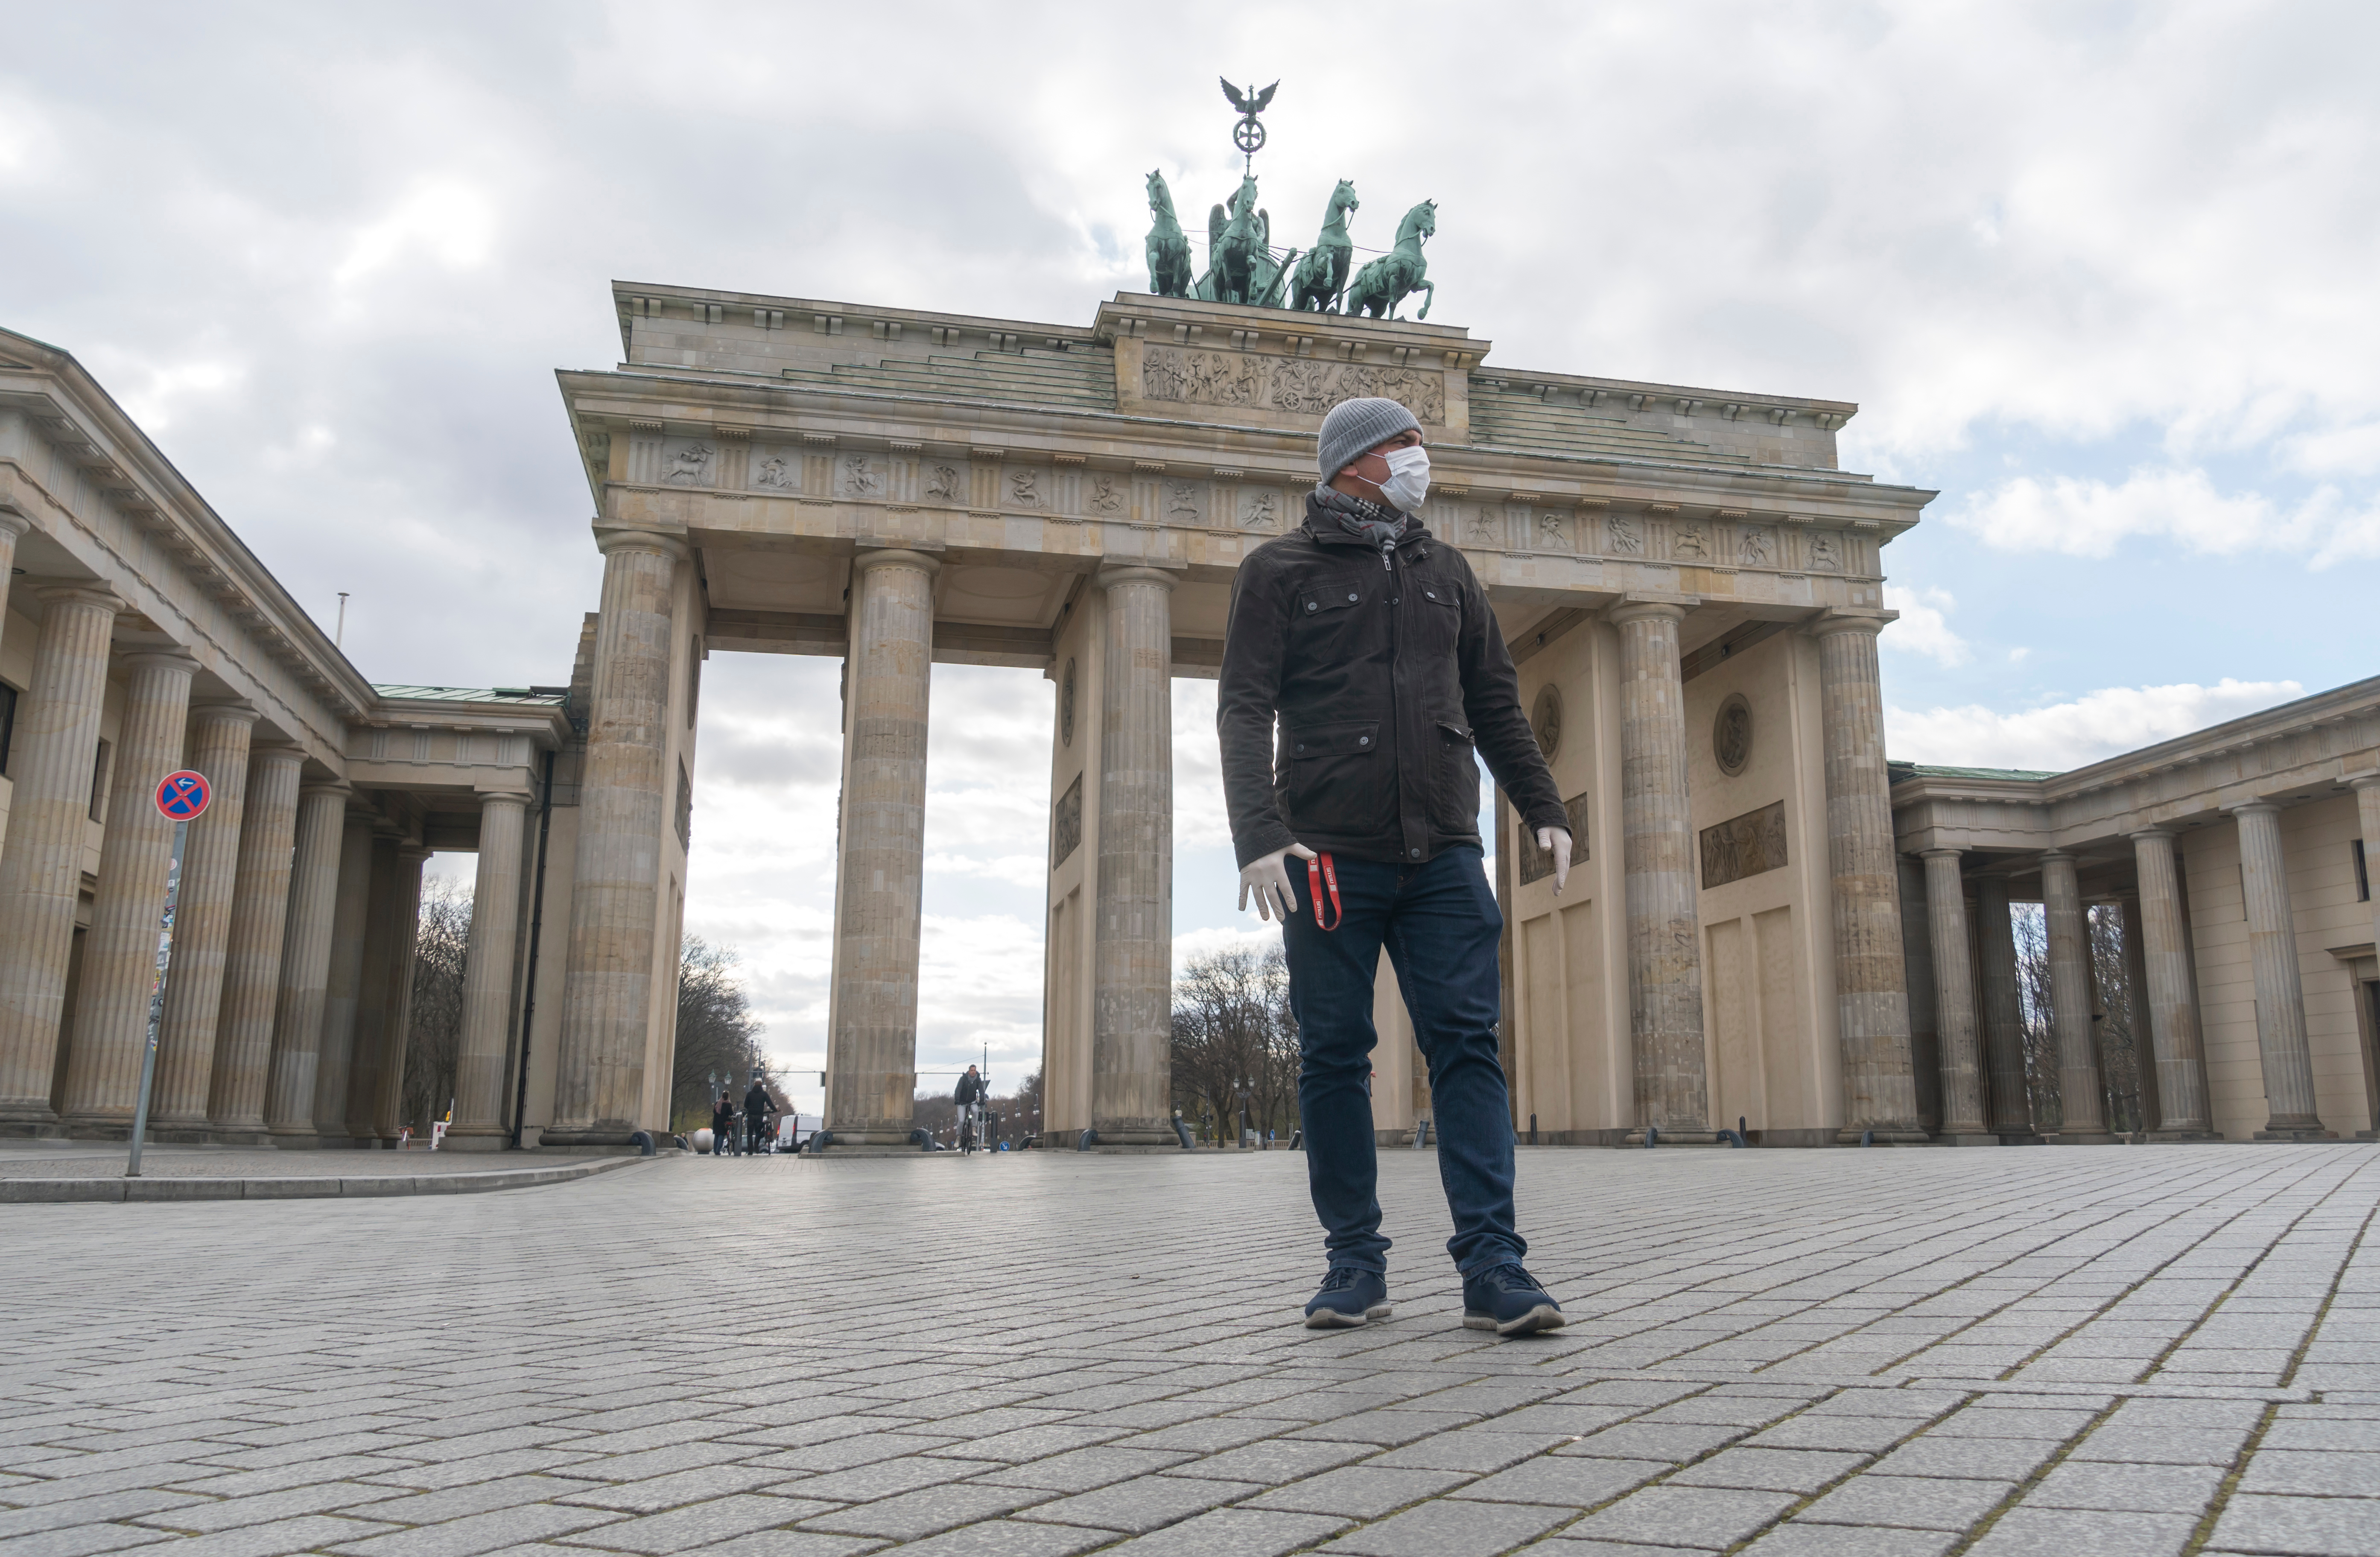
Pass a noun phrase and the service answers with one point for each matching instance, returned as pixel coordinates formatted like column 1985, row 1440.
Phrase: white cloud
column 1254, row 936
column 446, row 221
column 2090, row 518
column 1923, row 628
column 2072, row 735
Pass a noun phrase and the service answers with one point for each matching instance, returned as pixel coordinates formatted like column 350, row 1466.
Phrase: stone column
column 488, row 977
column 40, row 867
column 2280, row 996
column 1954, row 978
column 1924, row 1003
column 2170, row 1003
column 185, row 1033
column 1871, row 985
column 302, row 978
column 2367, row 806
column 2082, row 1108
column 623, row 812
column 872, row 1047
column 1132, row 1030
column 375, row 991
column 2011, row 1106
column 324, row 1113
column 2136, row 994
column 12, row 525
column 259, row 917
column 1665, row 965
column 119, row 954
column 387, row 1101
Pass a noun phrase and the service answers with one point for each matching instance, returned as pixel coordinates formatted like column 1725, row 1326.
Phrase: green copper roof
column 1899, row 771
column 473, row 695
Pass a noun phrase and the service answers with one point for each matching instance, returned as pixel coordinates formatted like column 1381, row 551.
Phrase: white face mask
column 1408, row 482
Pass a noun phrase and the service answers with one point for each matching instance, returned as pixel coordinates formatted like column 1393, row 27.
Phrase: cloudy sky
column 2101, row 273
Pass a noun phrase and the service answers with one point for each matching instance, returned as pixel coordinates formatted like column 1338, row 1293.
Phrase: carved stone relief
column 1626, row 538
column 1690, row 540
column 1537, row 864
column 1546, row 719
column 1759, row 547
column 1731, row 735
column 1181, row 502
column 1284, row 383
column 1107, row 494
column 776, row 473
column 691, row 466
column 1744, row 845
column 1553, row 531
column 1825, row 553
column 1024, row 488
column 942, row 483
column 1260, row 510
column 1067, row 706
column 862, row 477
column 1067, row 824
column 1483, row 527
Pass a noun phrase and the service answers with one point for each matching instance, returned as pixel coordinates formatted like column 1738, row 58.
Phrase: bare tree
column 2120, row 1080
column 2030, row 923
column 1233, row 1032
column 2118, row 1031
column 1020, row 1113
column 717, row 1035
column 434, row 1040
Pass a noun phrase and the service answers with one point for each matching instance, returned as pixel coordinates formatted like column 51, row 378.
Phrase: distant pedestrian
column 723, row 1124
column 756, row 1114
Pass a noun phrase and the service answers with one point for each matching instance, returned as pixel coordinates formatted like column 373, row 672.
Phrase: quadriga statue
column 1169, row 246
column 1322, row 274
column 1396, row 276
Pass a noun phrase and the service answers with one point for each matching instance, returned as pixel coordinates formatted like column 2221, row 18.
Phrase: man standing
column 1372, row 645
column 756, row 1114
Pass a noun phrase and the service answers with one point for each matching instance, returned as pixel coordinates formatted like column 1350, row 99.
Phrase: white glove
column 1554, row 841
column 1269, row 876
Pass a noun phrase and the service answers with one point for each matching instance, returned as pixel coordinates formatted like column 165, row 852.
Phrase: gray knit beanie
column 1353, row 426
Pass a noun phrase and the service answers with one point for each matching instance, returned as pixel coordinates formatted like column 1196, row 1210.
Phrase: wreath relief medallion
column 1731, row 735
column 1066, row 707
column 1547, row 720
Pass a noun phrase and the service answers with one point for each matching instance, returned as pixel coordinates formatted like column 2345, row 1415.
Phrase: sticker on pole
column 182, row 795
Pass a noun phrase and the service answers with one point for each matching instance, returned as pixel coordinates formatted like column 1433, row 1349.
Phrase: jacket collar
column 1324, row 527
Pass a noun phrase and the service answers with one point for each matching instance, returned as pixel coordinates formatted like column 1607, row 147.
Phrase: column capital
column 338, row 786
column 13, row 524
column 411, row 854
column 1637, row 608
column 2053, row 854
column 517, row 796
column 1133, row 573
column 2139, row 834
column 76, row 593
column 2254, row 807
column 620, row 538
column 226, row 713
column 1942, row 854
column 2361, row 782
column 895, row 557
column 1837, row 619
column 158, row 658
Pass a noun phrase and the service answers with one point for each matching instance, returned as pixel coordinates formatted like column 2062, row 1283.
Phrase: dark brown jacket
column 1384, row 677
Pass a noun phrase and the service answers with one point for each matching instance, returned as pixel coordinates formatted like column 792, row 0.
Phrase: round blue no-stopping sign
column 182, row 795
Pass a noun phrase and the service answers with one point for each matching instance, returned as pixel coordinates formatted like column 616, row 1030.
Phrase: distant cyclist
column 757, row 1105
column 723, row 1126
column 970, row 1094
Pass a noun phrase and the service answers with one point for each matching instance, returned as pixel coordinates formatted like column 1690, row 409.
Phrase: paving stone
column 1916, row 1501
column 1008, row 1538
column 659, row 1493
column 1776, row 1470
column 1276, row 1461
column 1450, row 1529
column 2334, row 1432
column 1229, row 1532
column 1569, row 1481
column 1086, row 1469
column 1652, row 1441
column 2142, row 1489
column 2123, row 1443
column 1840, row 1540
column 1385, row 1428
column 763, row 1543
column 926, row 1512
column 2315, row 1527
column 1360, row 1491
column 1990, row 1459
column 2059, row 1532
column 129, row 1504
column 481, row 1532
column 82, row 1540
column 454, row 1502
column 2312, row 1471
column 288, row 1502
column 1143, row 1504
column 1477, row 1450
column 884, row 1478
column 1708, row 1516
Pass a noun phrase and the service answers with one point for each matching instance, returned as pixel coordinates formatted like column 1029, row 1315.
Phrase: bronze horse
column 1168, row 246
column 1396, row 276
column 1234, row 238
column 1322, row 274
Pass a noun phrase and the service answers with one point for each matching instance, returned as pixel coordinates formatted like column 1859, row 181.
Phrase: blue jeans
column 1440, row 925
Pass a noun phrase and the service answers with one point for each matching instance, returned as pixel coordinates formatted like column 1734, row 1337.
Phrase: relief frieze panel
column 1297, row 384
column 1744, row 845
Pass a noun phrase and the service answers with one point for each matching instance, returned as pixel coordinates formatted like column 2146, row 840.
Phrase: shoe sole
column 1545, row 1316
column 1331, row 1319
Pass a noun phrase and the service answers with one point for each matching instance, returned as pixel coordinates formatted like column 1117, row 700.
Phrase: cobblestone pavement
column 105, row 1160
column 1861, row 1353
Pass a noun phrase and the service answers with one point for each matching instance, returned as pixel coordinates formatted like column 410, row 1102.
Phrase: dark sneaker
column 1348, row 1297
column 1508, row 1300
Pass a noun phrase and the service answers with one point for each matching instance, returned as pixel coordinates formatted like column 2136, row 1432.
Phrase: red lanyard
column 1317, row 870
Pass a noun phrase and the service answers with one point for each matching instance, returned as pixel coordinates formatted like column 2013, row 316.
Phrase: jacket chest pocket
column 1337, row 784
column 1438, row 621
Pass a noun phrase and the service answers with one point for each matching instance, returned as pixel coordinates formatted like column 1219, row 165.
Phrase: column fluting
column 2011, row 1102
column 2280, row 995
column 2171, row 1000
column 1954, row 982
column 1871, row 984
column 488, row 976
column 623, row 808
column 375, row 988
column 185, row 1033
column 1132, row 1033
column 2082, row 1108
column 119, row 954
column 2136, row 992
column 1665, row 980
column 873, row 1049
column 52, row 756
column 301, row 977
column 12, row 526
column 343, row 983
column 252, row 945
column 387, row 1101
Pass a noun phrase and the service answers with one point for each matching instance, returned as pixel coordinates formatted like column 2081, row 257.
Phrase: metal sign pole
column 157, row 1000
column 181, row 798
